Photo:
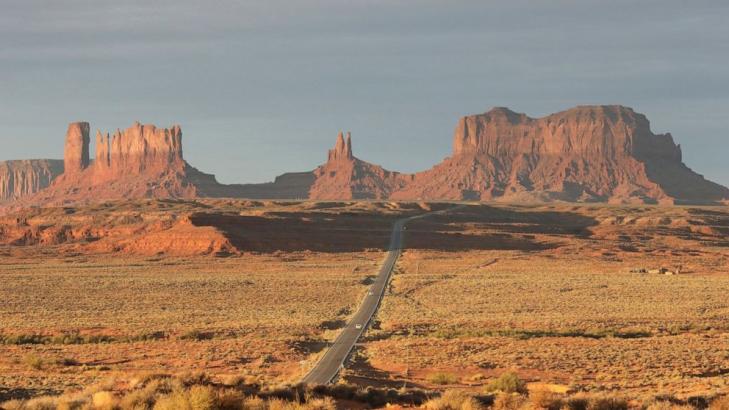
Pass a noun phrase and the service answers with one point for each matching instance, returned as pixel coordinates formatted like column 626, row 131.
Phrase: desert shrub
column 324, row 403
column 454, row 400
column 507, row 383
column 196, row 392
column 34, row 362
column 576, row 403
column 607, row 403
column 508, row 401
column 545, row 399
column 721, row 403
column 373, row 396
column 254, row 403
column 316, row 404
column 68, row 361
column 143, row 398
column 667, row 405
column 195, row 378
column 23, row 339
column 230, row 399
column 104, row 400
column 38, row 403
column 173, row 401
column 284, row 392
column 69, row 404
column 196, row 398
column 338, row 391
column 442, row 378
column 197, row 335
column 202, row 398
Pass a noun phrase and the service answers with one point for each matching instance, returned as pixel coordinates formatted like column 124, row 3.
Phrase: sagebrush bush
column 507, row 383
column 508, row 401
column 667, row 405
column 173, row 401
column 545, row 399
column 442, row 378
column 202, row 398
column 607, row 403
column 34, row 362
column 198, row 392
column 576, row 403
column 254, row 403
column 104, row 400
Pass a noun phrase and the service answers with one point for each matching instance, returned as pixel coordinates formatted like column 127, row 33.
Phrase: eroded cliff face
column 143, row 161
column 585, row 154
column 21, row 178
column 138, row 150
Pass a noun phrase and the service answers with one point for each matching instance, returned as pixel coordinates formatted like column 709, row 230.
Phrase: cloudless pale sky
column 263, row 87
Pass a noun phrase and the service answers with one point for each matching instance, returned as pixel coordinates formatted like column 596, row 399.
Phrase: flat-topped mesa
column 342, row 150
column 602, row 130
column 593, row 153
column 76, row 151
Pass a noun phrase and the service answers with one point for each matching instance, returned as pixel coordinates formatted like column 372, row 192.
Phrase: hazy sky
column 263, row 87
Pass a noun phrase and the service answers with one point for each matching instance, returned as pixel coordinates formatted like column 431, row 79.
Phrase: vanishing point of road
column 326, row 370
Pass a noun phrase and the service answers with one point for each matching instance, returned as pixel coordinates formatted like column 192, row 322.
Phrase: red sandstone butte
column 142, row 161
column 584, row 154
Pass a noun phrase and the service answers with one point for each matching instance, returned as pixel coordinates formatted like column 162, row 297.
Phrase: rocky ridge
column 21, row 178
column 584, row 154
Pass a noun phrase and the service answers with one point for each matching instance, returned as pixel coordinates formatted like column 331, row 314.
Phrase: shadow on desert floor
column 476, row 227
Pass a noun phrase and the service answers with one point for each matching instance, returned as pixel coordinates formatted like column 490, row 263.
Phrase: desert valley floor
column 568, row 296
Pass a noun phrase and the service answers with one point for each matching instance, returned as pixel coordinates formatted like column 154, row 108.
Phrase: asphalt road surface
column 332, row 362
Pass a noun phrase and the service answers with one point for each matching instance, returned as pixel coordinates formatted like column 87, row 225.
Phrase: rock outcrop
column 21, row 178
column 345, row 176
column 585, row 154
column 76, row 152
column 142, row 161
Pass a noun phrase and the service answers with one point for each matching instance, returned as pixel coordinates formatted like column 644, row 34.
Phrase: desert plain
column 573, row 298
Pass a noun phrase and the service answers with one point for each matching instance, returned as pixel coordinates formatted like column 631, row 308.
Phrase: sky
column 263, row 87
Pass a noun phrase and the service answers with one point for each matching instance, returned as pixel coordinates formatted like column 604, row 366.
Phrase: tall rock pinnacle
column 342, row 149
column 76, row 152
column 101, row 160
